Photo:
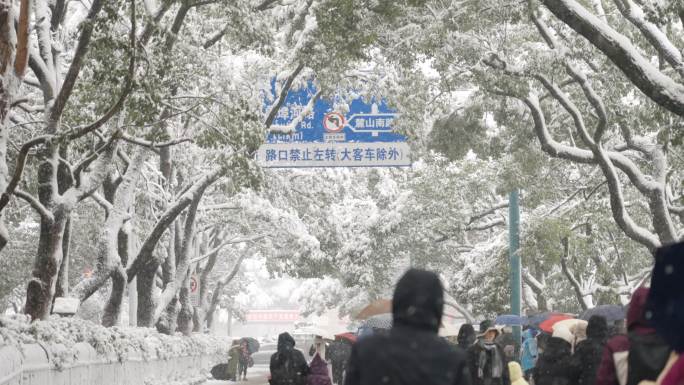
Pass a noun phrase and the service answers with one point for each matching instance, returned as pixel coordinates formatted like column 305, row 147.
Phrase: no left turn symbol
column 333, row 122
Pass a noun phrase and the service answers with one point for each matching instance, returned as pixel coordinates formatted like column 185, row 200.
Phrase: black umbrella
column 380, row 321
column 252, row 344
column 611, row 313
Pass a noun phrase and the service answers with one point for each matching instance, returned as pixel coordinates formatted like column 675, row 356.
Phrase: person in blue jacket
column 528, row 352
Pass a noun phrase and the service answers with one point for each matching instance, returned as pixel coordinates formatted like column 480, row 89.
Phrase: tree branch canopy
column 647, row 77
column 75, row 67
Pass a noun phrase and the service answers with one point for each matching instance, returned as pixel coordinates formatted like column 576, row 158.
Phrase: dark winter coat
column 666, row 297
column 318, row 372
column 288, row 366
column 617, row 347
column 588, row 353
column 339, row 353
column 477, row 366
column 466, row 336
column 554, row 366
column 412, row 353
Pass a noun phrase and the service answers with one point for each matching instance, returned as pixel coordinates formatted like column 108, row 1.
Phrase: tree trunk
column 133, row 303
column 41, row 287
column 146, row 278
column 108, row 258
column 223, row 282
column 185, row 322
column 112, row 310
column 63, row 277
column 200, row 312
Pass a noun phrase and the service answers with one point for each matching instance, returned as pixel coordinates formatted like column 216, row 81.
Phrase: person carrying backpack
column 639, row 355
column 288, row 365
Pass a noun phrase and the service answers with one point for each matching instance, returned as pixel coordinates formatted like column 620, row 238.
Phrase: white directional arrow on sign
column 371, row 123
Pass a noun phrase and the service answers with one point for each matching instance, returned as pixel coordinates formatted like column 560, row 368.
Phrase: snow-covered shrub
column 112, row 343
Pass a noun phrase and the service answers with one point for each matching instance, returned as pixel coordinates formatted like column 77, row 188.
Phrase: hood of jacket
column 636, row 313
column 466, row 335
column 418, row 301
column 285, row 342
column 597, row 328
column 557, row 348
column 318, row 366
column 528, row 334
column 514, row 371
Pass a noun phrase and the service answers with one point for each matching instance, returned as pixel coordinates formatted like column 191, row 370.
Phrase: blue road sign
column 366, row 122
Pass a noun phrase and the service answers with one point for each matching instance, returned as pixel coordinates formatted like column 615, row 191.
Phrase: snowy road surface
column 257, row 375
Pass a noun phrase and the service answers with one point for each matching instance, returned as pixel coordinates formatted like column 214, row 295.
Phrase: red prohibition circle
column 193, row 284
column 333, row 122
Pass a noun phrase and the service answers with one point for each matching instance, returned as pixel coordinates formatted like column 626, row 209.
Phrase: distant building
column 266, row 323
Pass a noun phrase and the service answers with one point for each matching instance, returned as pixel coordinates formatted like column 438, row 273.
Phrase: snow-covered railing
column 78, row 352
column 33, row 365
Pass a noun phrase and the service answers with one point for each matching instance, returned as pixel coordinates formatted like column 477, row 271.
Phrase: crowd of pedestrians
column 412, row 353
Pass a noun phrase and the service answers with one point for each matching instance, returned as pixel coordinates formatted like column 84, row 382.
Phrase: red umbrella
column 351, row 337
column 547, row 325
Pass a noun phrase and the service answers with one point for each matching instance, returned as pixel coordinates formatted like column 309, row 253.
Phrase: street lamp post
column 514, row 259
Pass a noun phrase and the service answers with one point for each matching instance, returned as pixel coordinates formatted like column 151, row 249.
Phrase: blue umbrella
column 511, row 319
column 611, row 313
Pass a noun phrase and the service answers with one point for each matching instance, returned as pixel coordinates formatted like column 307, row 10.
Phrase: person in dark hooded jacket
column 588, row 353
column 288, row 365
column 554, row 363
column 411, row 353
column 466, row 336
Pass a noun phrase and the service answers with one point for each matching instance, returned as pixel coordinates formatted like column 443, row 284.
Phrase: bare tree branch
column 224, row 244
column 35, row 204
column 151, row 144
column 283, row 94
column 19, row 169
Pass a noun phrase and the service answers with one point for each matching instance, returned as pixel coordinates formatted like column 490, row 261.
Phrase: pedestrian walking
column 411, row 353
column 288, row 366
column 490, row 362
column 339, row 353
column 318, row 372
column 528, row 353
column 245, row 361
column 233, row 361
column 588, row 354
column 466, row 336
column 554, row 363
column 639, row 355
